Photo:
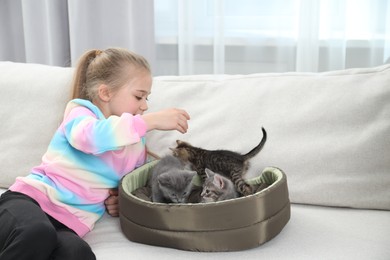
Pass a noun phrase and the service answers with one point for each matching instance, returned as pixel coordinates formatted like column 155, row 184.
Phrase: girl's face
column 131, row 97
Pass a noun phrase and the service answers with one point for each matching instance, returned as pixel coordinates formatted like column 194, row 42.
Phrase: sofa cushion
column 32, row 100
column 329, row 132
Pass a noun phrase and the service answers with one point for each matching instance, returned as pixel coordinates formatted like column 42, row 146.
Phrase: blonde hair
column 108, row 67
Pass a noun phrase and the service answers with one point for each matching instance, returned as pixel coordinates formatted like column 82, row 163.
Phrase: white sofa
column 329, row 132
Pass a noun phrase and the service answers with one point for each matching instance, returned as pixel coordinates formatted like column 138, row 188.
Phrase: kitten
column 217, row 188
column 171, row 181
column 231, row 164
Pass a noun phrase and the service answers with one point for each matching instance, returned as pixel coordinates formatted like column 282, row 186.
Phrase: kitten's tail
column 259, row 147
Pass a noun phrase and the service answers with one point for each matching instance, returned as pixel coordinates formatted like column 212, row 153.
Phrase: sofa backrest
column 32, row 101
column 329, row 132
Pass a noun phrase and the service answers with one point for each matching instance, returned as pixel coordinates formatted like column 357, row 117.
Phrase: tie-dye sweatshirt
column 87, row 156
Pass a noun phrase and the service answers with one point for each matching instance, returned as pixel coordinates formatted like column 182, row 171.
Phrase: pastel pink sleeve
column 89, row 134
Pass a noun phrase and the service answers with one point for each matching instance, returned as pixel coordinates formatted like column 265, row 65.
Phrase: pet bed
column 229, row 225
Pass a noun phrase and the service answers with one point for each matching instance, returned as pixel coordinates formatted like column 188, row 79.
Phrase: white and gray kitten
column 217, row 187
column 171, row 181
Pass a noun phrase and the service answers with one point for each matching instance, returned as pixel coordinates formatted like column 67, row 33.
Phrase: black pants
column 26, row 232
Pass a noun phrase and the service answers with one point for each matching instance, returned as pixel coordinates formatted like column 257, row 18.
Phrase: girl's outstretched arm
column 169, row 119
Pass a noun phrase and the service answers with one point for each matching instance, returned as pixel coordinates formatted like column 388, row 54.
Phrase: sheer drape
column 34, row 31
column 202, row 36
column 103, row 23
column 57, row 32
column 228, row 36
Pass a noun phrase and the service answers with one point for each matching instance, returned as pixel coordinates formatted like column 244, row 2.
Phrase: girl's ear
column 104, row 93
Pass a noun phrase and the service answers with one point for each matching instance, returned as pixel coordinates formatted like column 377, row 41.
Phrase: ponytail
column 80, row 76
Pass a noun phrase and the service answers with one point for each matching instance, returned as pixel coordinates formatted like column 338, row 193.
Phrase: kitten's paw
column 246, row 190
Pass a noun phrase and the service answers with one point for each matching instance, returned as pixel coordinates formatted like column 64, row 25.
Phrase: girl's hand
column 169, row 119
column 112, row 205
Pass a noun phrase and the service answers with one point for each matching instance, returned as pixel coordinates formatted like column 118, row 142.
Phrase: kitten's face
column 176, row 186
column 209, row 193
column 216, row 188
column 213, row 187
column 181, row 150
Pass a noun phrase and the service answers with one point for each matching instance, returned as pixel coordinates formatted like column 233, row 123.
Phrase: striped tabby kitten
column 231, row 164
column 217, row 188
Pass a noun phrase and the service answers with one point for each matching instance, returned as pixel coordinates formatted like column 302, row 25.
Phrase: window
column 247, row 36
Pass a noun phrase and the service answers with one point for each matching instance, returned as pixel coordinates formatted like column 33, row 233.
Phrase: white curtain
column 105, row 23
column 202, row 36
column 248, row 36
column 34, row 31
column 57, row 32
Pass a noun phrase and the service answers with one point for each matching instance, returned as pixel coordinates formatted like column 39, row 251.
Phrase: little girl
column 102, row 137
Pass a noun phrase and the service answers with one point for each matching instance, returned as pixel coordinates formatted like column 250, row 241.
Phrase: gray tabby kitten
column 231, row 164
column 171, row 181
column 217, row 187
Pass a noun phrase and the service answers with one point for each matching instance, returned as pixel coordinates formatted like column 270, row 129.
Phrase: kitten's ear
column 209, row 172
column 218, row 181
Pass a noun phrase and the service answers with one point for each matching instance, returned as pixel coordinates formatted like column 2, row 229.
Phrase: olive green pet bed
column 229, row 225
